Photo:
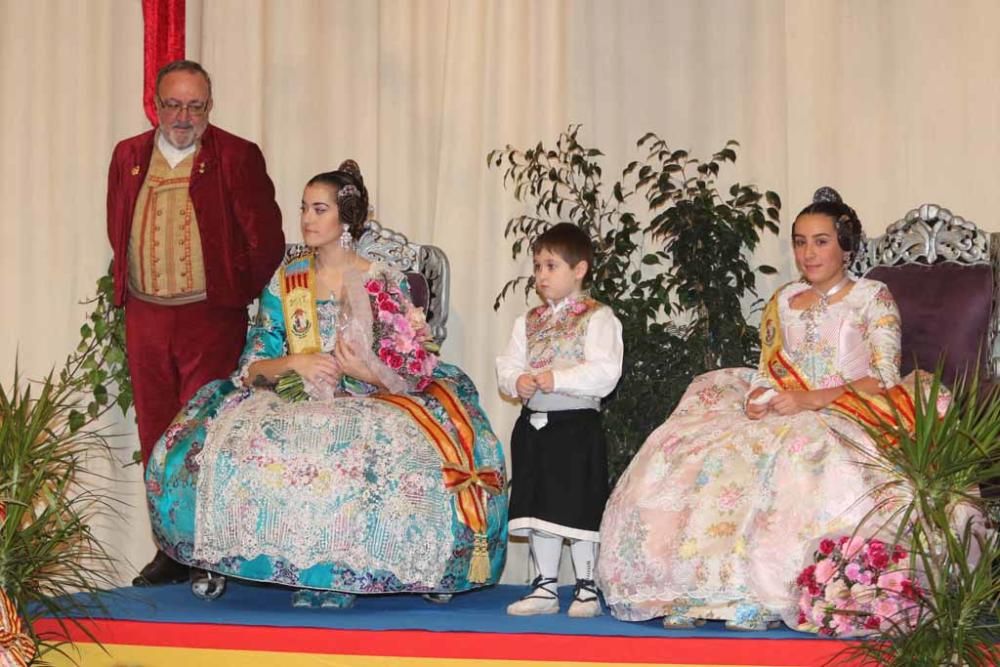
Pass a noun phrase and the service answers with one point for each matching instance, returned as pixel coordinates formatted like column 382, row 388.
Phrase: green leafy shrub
column 672, row 258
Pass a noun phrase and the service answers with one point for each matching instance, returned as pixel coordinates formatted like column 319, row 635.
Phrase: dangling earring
column 346, row 240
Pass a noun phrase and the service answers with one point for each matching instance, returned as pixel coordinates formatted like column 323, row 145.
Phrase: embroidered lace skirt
column 717, row 514
column 343, row 494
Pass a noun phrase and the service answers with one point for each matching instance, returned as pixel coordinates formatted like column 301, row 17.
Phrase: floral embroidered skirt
column 717, row 514
column 344, row 494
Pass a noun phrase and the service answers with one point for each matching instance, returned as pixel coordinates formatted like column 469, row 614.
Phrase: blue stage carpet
column 477, row 611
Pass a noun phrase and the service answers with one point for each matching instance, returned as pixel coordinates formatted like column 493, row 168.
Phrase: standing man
column 196, row 235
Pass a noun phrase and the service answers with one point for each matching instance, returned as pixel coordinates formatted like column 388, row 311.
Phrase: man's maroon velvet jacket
column 238, row 221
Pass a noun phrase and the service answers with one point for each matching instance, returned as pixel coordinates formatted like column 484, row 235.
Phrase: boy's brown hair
column 570, row 243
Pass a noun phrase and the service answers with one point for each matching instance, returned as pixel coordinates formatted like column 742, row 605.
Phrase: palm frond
column 931, row 492
column 48, row 551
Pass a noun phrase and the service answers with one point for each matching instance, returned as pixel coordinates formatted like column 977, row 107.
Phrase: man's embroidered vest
column 164, row 252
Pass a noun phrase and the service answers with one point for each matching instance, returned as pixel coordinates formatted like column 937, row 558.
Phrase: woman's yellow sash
column 298, row 302
column 890, row 410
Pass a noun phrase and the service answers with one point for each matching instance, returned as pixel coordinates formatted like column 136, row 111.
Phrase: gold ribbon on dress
column 461, row 477
column 890, row 410
column 298, row 302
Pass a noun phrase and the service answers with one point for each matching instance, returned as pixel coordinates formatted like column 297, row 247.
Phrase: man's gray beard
column 194, row 139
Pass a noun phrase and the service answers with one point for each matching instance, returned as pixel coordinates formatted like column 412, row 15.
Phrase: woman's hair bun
column 351, row 167
column 827, row 194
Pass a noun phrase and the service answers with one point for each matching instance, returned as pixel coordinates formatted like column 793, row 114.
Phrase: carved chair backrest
column 426, row 268
column 942, row 272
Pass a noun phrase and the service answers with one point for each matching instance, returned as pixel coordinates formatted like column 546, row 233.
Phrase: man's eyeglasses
column 173, row 107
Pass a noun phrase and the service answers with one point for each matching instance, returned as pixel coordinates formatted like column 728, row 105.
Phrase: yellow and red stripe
column 16, row 647
column 457, row 465
column 204, row 645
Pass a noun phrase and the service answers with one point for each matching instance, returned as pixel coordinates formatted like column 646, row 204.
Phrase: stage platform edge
column 256, row 626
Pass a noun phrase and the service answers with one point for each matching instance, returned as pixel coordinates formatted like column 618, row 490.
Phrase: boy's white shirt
column 595, row 377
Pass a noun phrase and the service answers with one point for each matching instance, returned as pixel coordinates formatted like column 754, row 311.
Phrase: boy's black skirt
column 559, row 482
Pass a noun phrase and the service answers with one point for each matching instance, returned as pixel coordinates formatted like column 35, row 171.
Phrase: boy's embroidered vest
column 556, row 339
column 164, row 254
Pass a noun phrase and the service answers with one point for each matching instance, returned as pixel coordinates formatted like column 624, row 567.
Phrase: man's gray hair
column 183, row 66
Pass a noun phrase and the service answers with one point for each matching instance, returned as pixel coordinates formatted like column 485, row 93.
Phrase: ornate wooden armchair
column 943, row 272
column 426, row 268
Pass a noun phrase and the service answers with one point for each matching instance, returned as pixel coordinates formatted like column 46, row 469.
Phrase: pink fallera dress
column 717, row 514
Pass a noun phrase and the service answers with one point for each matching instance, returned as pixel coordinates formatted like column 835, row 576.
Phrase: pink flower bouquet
column 856, row 586
column 401, row 338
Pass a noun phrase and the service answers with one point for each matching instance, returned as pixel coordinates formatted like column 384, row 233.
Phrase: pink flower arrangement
column 856, row 586
column 401, row 337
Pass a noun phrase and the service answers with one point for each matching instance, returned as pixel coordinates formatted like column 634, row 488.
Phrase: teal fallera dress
column 344, row 493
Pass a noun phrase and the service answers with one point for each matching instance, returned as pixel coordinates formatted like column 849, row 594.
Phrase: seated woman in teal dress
column 372, row 469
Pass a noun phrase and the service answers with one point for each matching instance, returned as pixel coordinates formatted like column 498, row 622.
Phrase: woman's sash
column 881, row 412
column 298, row 303
column 461, row 476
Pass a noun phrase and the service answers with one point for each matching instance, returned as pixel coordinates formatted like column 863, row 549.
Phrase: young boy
column 563, row 357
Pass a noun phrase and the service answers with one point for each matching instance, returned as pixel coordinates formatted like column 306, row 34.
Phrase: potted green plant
column 933, row 475
column 51, row 445
column 673, row 259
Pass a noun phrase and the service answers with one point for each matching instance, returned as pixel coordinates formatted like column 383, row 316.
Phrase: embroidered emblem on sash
column 769, row 332
column 300, row 322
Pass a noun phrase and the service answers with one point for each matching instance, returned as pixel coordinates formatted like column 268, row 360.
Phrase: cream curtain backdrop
column 71, row 82
column 895, row 103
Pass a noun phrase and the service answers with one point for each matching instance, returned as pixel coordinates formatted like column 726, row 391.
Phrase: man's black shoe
column 161, row 570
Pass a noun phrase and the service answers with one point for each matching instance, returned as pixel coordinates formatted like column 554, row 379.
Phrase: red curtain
column 163, row 28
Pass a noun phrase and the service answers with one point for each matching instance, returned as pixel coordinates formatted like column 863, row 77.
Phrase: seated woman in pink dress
column 717, row 513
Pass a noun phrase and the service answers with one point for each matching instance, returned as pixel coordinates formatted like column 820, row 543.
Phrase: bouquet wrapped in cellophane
column 388, row 333
column 857, row 586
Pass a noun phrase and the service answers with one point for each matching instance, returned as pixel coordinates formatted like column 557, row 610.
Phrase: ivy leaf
column 115, row 356
column 76, row 420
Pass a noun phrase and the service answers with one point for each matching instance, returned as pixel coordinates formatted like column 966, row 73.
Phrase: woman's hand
column 318, row 368
column 793, row 402
column 756, row 410
column 352, row 364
